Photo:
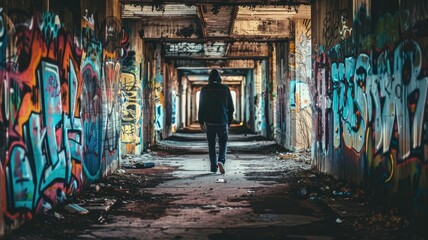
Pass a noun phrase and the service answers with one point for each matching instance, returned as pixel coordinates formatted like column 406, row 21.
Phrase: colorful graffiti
column 388, row 93
column 132, row 94
column 372, row 108
column 93, row 110
column 159, row 92
column 299, row 95
column 112, row 71
column 174, row 103
column 159, row 102
column 40, row 115
column 59, row 110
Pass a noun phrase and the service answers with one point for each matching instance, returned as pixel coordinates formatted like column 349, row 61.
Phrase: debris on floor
column 221, row 180
column 99, row 204
column 74, row 208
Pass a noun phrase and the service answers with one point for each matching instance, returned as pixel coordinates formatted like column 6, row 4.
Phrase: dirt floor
column 261, row 196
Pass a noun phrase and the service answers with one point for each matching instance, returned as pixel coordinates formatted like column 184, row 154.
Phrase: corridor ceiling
column 215, row 30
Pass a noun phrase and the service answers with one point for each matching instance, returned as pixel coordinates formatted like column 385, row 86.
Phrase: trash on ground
column 139, row 165
column 221, row 180
column 286, row 155
column 99, row 204
column 58, row 216
column 209, row 207
column 342, row 194
column 302, row 192
column 338, row 220
column 74, row 208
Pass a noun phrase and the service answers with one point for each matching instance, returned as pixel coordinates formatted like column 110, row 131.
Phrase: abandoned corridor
column 86, row 85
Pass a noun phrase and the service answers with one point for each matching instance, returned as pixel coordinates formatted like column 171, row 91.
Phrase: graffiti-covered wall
column 371, row 75
column 131, row 86
column 59, row 113
column 294, row 98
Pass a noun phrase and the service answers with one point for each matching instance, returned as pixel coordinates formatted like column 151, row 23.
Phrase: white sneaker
column 221, row 167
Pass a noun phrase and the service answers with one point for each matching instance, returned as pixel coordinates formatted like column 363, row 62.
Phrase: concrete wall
column 293, row 81
column 370, row 72
column 59, row 104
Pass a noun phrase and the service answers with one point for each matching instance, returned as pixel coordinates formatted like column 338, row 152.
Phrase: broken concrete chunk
column 74, row 208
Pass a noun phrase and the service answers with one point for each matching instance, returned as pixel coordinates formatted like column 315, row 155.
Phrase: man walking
column 215, row 116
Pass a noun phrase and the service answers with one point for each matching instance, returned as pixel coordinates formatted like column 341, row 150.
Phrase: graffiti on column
column 159, row 92
column 174, row 108
column 131, row 88
column 93, row 101
column 112, row 133
column 299, row 97
column 323, row 102
column 131, row 134
column 159, row 102
column 40, row 114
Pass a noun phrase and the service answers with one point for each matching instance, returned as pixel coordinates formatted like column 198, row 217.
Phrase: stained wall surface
column 370, row 74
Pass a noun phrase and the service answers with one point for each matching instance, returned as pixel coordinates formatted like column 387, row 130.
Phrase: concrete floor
column 263, row 195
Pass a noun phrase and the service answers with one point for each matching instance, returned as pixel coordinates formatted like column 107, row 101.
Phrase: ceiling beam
column 200, row 13
column 221, row 2
column 232, row 24
column 216, row 58
column 247, row 38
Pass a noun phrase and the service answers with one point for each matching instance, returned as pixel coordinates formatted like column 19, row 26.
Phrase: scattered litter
column 286, row 155
column 250, row 191
column 101, row 219
column 46, row 207
column 342, row 194
column 145, row 165
column 209, row 207
column 338, row 220
column 314, row 196
column 120, row 171
column 139, row 165
column 99, row 204
column 58, row 216
column 221, row 180
column 302, row 192
column 74, row 208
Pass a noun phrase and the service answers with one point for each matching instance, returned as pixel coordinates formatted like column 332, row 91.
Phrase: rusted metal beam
column 221, row 2
column 200, row 13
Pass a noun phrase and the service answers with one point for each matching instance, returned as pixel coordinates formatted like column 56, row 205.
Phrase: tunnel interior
column 84, row 83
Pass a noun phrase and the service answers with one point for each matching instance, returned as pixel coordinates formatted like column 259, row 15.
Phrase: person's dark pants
column 222, row 133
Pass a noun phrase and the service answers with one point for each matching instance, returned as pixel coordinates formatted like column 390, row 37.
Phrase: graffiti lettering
column 357, row 100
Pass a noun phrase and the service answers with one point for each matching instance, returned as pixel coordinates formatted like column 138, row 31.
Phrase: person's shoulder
column 224, row 86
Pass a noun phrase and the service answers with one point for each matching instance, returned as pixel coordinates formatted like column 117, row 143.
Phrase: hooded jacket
column 215, row 102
